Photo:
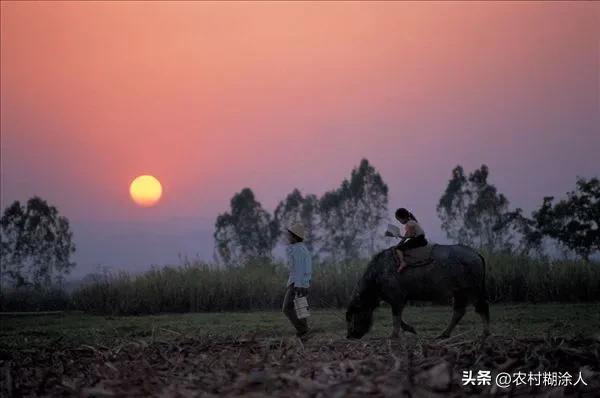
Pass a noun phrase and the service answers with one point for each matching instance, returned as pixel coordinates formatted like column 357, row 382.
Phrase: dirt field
column 255, row 354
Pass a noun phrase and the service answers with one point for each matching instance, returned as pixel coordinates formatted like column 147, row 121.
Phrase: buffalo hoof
column 410, row 329
column 395, row 335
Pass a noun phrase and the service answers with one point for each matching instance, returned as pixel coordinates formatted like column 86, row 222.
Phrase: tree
column 352, row 214
column 453, row 206
column 36, row 243
column 530, row 238
column 574, row 222
column 473, row 212
column 298, row 208
column 246, row 232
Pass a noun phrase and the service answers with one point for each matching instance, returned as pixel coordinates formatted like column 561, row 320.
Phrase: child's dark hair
column 403, row 213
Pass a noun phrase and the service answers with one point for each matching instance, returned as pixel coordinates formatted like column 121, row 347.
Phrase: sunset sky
column 214, row 97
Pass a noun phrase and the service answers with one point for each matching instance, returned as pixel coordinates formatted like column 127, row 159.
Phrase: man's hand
column 300, row 291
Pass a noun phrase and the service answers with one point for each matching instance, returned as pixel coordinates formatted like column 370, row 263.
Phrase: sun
column 145, row 190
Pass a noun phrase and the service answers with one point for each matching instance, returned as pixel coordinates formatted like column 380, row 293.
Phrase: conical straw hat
column 297, row 229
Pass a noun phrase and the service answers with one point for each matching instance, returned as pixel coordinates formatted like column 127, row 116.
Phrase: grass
column 259, row 286
column 521, row 321
column 255, row 354
column 198, row 287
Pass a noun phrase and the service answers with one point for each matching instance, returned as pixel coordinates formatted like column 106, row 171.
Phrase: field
column 256, row 354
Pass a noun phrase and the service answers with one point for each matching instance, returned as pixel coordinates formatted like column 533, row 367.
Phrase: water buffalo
column 457, row 272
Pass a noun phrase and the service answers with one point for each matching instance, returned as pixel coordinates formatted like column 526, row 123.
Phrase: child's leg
column 397, row 255
column 402, row 263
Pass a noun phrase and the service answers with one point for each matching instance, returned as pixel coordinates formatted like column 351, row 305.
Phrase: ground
column 256, row 354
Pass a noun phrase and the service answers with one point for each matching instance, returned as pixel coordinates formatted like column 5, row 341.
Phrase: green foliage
column 352, row 214
column 36, row 243
column 474, row 213
column 246, row 232
column 574, row 222
column 201, row 287
column 260, row 286
column 511, row 278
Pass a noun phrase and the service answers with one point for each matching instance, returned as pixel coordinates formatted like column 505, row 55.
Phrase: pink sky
column 214, row 97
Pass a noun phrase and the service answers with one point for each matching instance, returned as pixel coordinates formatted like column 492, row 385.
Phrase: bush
column 200, row 287
column 260, row 286
column 512, row 278
column 31, row 299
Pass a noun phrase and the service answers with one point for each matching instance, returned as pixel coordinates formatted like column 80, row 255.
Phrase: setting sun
column 145, row 190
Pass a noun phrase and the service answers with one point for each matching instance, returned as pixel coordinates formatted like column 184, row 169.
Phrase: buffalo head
column 359, row 321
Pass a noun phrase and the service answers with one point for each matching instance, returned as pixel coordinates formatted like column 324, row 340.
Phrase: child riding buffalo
column 414, row 236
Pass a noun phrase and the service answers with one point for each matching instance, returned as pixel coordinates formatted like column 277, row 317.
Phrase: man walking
column 300, row 265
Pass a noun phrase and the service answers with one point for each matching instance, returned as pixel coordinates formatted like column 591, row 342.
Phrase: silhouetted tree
column 574, row 222
column 473, row 212
column 352, row 214
column 298, row 208
column 36, row 243
column 530, row 238
column 246, row 232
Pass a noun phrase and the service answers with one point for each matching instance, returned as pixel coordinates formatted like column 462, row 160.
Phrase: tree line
column 36, row 242
column 342, row 224
column 474, row 213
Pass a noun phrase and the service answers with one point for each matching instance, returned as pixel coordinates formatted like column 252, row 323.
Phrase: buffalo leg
column 483, row 309
column 407, row 328
column 459, row 307
column 398, row 322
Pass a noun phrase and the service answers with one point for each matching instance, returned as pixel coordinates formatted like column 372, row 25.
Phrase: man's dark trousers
column 301, row 325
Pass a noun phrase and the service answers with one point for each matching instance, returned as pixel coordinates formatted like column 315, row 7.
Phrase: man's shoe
column 306, row 335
